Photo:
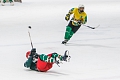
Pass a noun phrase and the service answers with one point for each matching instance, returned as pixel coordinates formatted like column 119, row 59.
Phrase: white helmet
column 81, row 5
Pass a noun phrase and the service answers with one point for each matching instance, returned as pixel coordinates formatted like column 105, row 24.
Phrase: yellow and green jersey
column 78, row 16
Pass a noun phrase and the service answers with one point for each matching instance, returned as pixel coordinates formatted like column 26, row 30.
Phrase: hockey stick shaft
column 85, row 25
column 30, row 39
column 91, row 27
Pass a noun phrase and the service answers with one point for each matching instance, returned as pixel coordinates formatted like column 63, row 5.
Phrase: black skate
column 65, row 41
column 66, row 56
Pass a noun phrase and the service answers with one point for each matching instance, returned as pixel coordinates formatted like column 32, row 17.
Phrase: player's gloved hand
column 33, row 51
column 79, row 22
column 84, row 22
column 67, row 17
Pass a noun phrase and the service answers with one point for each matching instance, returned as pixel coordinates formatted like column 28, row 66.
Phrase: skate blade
column 68, row 58
column 3, row 4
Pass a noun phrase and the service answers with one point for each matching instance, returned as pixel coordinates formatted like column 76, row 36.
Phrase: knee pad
column 68, row 29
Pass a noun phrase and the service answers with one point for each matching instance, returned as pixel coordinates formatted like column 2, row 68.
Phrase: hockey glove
column 33, row 51
column 79, row 22
column 76, row 23
column 67, row 17
column 84, row 22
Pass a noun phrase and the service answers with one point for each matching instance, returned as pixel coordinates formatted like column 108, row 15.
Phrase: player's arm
column 85, row 20
column 67, row 17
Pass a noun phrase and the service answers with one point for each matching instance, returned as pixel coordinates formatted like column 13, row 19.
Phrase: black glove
column 33, row 52
column 79, row 22
column 67, row 17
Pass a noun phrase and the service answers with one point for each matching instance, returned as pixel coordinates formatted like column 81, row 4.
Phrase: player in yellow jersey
column 79, row 18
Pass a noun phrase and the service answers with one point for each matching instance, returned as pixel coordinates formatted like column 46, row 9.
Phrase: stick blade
column 97, row 26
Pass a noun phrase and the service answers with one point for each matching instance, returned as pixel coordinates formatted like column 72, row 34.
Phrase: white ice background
column 95, row 53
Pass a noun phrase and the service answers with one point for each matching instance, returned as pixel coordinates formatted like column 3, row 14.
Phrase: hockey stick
column 85, row 25
column 30, row 36
column 91, row 27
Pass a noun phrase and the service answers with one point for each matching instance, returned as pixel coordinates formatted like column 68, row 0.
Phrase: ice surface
column 95, row 53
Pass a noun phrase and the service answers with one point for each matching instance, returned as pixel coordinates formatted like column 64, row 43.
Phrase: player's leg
column 51, row 58
column 69, row 32
column 46, row 58
column 11, row 2
column 75, row 29
column 63, row 57
column 3, row 2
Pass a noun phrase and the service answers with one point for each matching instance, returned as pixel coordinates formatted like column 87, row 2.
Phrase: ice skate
column 12, row 3
column 65, row 41
column 66, row 56
column 2, row 3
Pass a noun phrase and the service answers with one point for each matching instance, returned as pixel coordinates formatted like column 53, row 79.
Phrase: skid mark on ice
column 54, row 73
column 50, row 48
column 9, row 45
column 89, row 45
column 68, row 44
column 23, row 44
column 51, row 73
column 98, row 39
column 103, row 78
